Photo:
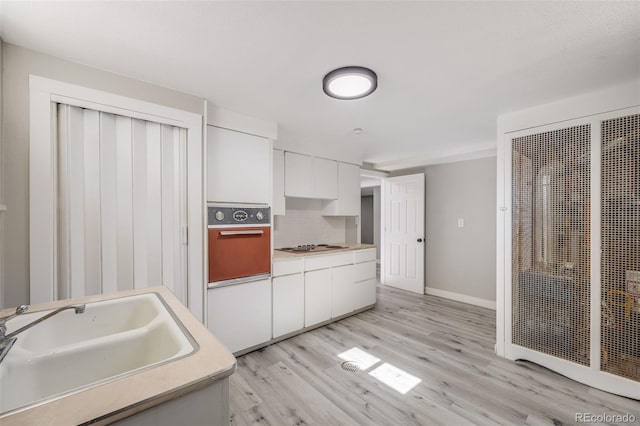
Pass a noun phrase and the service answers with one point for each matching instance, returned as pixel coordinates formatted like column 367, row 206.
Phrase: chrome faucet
column 7, row 340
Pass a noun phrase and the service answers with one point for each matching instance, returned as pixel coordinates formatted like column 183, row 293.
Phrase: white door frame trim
column 44, row 93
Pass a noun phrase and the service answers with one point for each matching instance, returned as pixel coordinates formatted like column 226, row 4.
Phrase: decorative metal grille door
column 551, row 176
column 620, row 329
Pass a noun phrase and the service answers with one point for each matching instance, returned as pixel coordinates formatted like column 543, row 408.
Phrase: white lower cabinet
column 364, row 276
column 364, row 294
column 288, row 304
column 342, row 294
column 240, row 315
column 317, row 296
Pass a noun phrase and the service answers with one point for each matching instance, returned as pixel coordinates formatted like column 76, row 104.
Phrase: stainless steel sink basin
column 68, row 352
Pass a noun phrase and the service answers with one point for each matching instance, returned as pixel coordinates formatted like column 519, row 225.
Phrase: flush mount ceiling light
column 350, row 83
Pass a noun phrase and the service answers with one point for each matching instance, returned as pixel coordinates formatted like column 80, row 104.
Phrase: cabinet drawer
column 311, row 263
column 364, row 271
column 287, row 267
column 365, row 255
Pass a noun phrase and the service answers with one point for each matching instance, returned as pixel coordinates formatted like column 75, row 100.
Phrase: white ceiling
column 446, row 69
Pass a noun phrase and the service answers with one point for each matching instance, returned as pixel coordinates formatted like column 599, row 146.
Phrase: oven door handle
column 249, row 232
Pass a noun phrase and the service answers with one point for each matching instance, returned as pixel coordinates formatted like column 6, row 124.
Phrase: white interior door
column 404, row 232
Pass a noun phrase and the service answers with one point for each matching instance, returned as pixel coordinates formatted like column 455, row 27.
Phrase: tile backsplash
column 303, row 223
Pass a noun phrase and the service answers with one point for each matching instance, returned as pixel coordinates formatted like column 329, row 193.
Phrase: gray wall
column 461, row 260
column 366, row 218
column 18, row 63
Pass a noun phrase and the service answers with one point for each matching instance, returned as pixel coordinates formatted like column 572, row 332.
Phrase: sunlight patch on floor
column 397, row 379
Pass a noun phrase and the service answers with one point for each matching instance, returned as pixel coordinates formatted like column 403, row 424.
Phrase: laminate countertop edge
column 160, row 399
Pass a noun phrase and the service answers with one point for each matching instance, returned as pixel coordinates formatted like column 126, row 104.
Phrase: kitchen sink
column 99, row 319
column 68, row 352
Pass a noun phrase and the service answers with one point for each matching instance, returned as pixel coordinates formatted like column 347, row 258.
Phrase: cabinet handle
column 250, row 232
column 419, row 240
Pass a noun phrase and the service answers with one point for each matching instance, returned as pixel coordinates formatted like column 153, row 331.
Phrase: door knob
column 419, row 240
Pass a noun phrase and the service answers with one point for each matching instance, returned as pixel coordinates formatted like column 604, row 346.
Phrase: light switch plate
column 460, row 223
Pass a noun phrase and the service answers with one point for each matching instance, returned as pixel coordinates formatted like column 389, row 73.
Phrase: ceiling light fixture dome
column 350, row 82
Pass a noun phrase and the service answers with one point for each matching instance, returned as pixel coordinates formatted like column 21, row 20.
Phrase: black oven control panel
column 225, row 215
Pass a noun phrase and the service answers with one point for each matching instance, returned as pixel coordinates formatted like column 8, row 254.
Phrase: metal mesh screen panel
column 620, row 331
column 550, row 254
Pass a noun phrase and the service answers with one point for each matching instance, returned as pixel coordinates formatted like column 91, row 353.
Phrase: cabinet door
column 298, row 175
column 238, row 167
column 240, row 315
column 278, row 204
column 325, row 179
column 342, row 294
column 348, row 202
column 288, row 304
column 364, row 294
column 317, row 296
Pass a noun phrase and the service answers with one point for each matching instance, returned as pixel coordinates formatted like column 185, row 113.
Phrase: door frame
column 44, row 93
column 379, row 177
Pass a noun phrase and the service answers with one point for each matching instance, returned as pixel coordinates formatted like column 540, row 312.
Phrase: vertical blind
column 121, row 193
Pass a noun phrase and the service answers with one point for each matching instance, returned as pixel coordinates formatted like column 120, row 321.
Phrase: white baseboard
column 490, row 304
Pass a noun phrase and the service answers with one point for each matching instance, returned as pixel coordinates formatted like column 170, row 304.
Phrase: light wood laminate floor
column 448, row 345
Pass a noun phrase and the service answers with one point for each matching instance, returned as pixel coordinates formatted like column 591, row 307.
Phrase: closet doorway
column 115, row 195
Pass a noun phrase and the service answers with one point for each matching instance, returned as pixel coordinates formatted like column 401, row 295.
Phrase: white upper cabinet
column 348, row 202
column 326, row 179
column 298, row 175
column 238, row 167
column 278, row 203
column 310, row 177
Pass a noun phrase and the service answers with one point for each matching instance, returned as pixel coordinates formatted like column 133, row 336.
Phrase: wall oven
column 239, row 240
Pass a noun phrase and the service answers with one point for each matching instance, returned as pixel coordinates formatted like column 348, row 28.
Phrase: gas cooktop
column 311, row 248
